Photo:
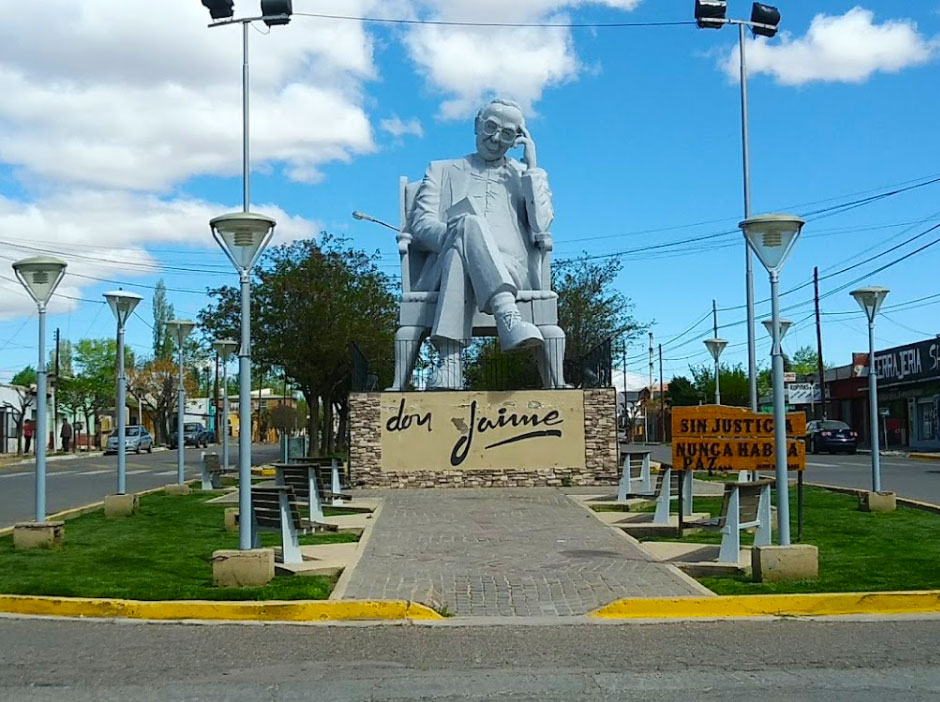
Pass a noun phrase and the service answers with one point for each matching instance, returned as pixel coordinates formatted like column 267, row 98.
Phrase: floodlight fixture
column 242, row 236
column 772, row 237
column 710, row 14
column 765, row 19
column 219, row 9
column 40, row 276
column 276, row 11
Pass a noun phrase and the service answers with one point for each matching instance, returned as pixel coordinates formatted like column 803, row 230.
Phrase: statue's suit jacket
column 448, row 182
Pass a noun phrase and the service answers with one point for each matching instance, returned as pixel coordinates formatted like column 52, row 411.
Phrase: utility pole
column 662, row 399
column 821, row 413
column 55, row 396
column 715, row 318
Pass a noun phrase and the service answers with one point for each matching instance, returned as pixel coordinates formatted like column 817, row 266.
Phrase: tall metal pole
column 748, row 255
column 224, row 414
column 651, row 385
column 819, row 353
column 55, row 395
column 246, row 173
column 873, row 408
column 780, row 421
column 662, row 399
column 180, row 410
column 119, row 411
column 244, row 418
column 717, row 362
column 41, row 420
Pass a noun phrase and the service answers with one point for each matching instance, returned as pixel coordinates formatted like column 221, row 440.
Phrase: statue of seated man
column 483, row 218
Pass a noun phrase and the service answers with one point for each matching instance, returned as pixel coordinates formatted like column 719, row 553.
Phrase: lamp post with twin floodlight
column 122, row 304
column 180, row 330
column 870, row 300
column 40, row 276
column 772, row 237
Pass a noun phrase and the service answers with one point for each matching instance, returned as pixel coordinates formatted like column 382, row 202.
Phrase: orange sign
column 714, row 437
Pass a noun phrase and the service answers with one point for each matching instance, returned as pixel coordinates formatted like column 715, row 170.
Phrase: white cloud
column 398, row 127
column 103, row 234
column 111, row 93
column 469, row 63
column 845, row 48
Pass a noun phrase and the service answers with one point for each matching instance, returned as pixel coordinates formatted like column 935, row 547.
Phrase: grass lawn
column 860, row 551
column 161, row 553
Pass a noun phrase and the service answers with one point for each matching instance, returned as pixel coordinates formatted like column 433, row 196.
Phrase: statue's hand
column 528, row 145
column 543, row 240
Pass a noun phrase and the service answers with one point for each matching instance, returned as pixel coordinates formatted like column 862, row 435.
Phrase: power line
column 455, row 23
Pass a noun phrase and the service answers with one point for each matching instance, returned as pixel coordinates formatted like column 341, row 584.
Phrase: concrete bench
column 635, row 473
column 211, row 471
column 745, row 506
column 671, row 482
column 275, row 509
column 304, row 480
column 328, row 474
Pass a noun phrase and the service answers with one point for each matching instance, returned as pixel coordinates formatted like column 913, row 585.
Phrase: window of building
column 927, row 419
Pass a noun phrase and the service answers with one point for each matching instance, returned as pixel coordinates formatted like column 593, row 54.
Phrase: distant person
column 66, row 434
column 28, row 433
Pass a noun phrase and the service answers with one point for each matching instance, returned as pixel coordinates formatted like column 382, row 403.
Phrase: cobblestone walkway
column 503, row 552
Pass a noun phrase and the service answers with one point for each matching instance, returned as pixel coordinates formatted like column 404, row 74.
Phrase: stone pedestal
column 231, row 519
column 120, row 505
column 770, row 564
column 252, row 568
column 38, row 535
column 877, row 501
column 177, row 489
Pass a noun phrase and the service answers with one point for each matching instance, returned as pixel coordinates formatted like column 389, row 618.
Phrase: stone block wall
column 600, row 451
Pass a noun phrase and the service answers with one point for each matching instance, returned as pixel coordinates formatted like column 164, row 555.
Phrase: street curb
column 792, row 605
column 925, row 456
column 856, row 492
column 270, row 611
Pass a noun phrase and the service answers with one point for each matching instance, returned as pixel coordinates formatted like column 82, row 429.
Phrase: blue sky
column 121, row 139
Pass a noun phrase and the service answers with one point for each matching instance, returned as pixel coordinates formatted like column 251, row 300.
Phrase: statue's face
column 497, row 131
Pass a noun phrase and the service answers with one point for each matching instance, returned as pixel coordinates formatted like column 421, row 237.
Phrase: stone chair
column 416, row 307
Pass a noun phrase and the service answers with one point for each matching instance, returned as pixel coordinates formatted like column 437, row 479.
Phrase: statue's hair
column 498, row 101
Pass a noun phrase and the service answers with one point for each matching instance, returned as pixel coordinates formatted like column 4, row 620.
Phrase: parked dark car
column 194, row 434
column 136, row 439
column 830, row 435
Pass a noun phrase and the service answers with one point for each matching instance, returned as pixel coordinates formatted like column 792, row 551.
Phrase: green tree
column 310, row 302
column 805, row 361
column 682, row 392
column 735, row 387
column 97, row 376
column 163, row 346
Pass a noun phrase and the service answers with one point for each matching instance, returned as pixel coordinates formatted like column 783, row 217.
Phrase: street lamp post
column 710, row 14
column 40, row 276
column 715, row 347
column 180, row 329
column 225, row 348
column 122, row 305
column 772, row 237
column 870, row 300
column 243, row 237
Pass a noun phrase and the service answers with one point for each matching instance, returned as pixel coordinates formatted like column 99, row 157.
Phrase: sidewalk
column 504, row 552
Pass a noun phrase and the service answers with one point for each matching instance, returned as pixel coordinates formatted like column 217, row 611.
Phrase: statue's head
column 497, row 126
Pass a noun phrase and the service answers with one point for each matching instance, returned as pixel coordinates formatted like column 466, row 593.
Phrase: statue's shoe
column 514, row 334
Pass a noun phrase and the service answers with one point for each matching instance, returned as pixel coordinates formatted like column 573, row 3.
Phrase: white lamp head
column 180, row 329
column 772, row 237
column 359, row 215
column 243, row 236
column 715, row 347
column 40, row 276
column 870, row 299
column 224, row 347
column 122, row 304
column 785, row 325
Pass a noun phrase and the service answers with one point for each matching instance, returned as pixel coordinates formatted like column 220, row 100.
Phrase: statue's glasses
column 507, row 135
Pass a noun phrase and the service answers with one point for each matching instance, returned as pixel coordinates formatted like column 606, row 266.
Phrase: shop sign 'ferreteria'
column 920, row 361
column 712, row 437
column 482, row 430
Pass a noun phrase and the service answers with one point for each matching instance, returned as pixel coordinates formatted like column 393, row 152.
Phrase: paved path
column 80, row 481
column 503, row 552
column 770, row 661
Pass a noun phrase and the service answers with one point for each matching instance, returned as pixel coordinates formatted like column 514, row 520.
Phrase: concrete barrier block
column 252, row 568
column 770, row 564
column 38, row 535
column 120, row 505
column 177, row 489
column 877, row 501
column 231, row 519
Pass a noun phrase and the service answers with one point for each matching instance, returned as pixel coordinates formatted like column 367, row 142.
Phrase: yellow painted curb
column 281, row 610
column 795, row 605
column 925, row 456
column 263, row 472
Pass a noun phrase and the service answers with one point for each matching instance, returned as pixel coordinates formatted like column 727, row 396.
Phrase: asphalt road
column 913, row 478
column 770, row 660
column 80, row 481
